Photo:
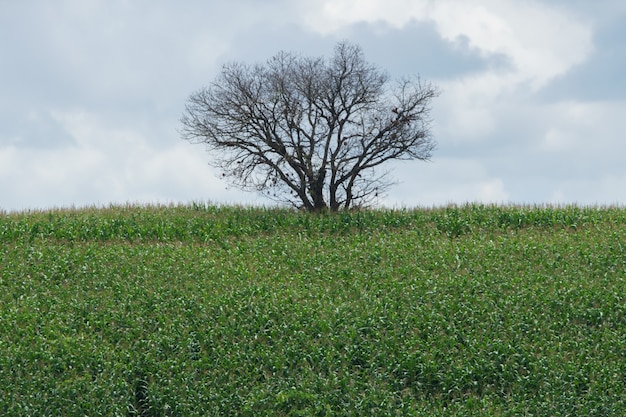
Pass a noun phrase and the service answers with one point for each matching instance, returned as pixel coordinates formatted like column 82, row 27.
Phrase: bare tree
column 310, row 131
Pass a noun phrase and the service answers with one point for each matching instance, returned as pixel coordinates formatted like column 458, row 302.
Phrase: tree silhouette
column 312, row 132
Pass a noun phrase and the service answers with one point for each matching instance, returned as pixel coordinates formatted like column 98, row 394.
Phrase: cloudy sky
column 533, row 108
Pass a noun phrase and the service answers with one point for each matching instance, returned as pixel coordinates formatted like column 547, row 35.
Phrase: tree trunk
column 317, row 190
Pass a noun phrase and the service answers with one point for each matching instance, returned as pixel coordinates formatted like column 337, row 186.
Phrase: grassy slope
column 198, row 310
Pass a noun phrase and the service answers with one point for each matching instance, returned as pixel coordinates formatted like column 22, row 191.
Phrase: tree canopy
column 311, row 131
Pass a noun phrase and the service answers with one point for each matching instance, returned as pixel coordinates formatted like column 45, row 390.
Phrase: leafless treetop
column 310, row 131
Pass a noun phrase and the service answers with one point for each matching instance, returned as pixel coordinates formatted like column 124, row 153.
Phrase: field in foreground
column 199, row 310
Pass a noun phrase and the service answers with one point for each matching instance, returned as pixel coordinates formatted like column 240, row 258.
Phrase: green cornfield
column 203, row 310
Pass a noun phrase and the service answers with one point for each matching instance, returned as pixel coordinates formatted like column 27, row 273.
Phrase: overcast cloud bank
column 532, row 109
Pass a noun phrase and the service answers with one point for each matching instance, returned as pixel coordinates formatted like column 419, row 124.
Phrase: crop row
column 199, row 222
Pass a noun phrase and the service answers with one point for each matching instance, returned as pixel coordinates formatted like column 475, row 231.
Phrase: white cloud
column 444, row 181
column 589, row 129
column 47, row 177
column 550, row 46
column 468, row 106
column 538, row 42
column 333, row 15
column 106, row 165
column 608, row 190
